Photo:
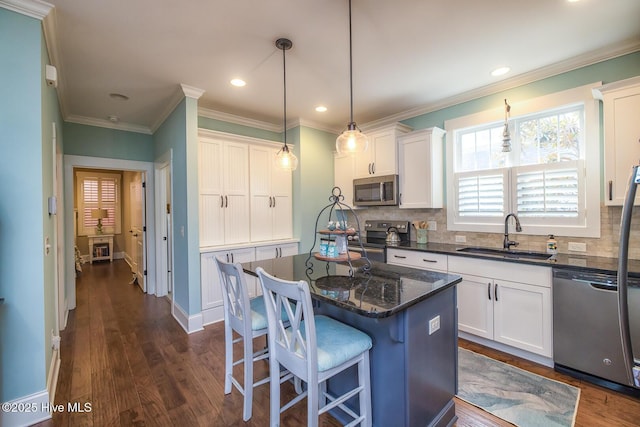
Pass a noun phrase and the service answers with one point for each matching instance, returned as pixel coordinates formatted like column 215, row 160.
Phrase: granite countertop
column 565, row 261
column 382, row 291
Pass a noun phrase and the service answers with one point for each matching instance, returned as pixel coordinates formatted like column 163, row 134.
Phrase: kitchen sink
column 502, row 253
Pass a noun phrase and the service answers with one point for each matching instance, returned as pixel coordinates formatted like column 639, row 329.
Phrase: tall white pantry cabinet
column 245, row 209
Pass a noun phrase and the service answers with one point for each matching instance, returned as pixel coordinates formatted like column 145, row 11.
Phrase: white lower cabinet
column 490, row 306
column 212, row 309
column 277, row 251
column 212, row 305
column 417, row 259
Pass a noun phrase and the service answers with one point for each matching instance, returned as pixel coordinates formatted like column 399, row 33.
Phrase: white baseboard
column 213, row 315
column 543, row 360
column 54, row 370
column 189, row 323
column 26, row 411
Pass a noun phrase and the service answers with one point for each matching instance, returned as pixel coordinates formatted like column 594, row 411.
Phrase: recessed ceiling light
column 321, row 108
column 119, row 96
column 238, row 82
column 501, row 71
column 573, row 1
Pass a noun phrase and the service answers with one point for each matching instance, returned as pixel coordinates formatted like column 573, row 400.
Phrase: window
column 543, row 179
column 98, row 190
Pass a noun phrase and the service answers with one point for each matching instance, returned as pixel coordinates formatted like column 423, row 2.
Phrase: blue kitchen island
column 411, row 316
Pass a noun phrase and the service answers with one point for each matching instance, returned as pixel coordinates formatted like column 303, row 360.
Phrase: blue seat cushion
column 259, row 314
column 338, row 342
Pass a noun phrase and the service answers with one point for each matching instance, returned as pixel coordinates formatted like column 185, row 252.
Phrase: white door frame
column 71, row 162
column 163, row 165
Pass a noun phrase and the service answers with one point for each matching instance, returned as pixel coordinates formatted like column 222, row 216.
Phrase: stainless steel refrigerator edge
column 629, row 337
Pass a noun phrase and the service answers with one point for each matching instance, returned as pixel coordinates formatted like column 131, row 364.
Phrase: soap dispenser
column 552, row 245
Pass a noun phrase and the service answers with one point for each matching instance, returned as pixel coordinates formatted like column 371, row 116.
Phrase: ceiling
column 409, row 56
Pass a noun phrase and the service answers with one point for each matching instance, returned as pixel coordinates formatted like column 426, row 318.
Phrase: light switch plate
column 433, row 225
column 434, row 324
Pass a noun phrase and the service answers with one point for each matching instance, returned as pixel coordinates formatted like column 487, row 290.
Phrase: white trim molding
column 190, row 324
column 191, row 92
column 33, row 8
column 103, row 123
column 29, row 410
column 238, row 120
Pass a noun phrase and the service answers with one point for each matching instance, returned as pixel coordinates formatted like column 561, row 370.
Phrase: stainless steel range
column 375, row 235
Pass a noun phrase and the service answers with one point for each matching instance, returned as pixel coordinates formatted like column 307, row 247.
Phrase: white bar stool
column 314, row 349
column 247, row 317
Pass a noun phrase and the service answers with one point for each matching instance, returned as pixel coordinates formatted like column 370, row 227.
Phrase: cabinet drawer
column 417, row 259
column 100, row 240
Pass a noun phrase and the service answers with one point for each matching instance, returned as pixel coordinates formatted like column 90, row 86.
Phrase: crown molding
column 33, row 8
column 238, row 120
column 90, row 121
column 318, row 126
column 191, row 91
column 564, row 66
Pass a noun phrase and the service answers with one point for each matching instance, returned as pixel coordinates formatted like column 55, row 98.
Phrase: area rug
column 515, row 395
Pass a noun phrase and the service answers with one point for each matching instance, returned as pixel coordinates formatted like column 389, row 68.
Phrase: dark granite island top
column 382, row 291
column 411, row 317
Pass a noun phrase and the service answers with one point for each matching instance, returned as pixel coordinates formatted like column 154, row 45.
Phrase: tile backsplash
column 605, row 246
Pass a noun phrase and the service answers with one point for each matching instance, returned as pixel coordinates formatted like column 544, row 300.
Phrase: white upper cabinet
column 421, row 169
column 381, row 156
column 270, row 188
column 223, row 174
column 621, row 104
column 343, row 173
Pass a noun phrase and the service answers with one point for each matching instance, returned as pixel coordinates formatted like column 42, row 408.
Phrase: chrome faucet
column 508, row 243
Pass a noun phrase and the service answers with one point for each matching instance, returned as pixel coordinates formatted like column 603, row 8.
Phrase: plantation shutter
column 481, row 194
column 98, row 191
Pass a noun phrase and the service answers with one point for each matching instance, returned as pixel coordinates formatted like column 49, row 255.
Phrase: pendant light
column 285, row 159
column 351, row 140
column 506, row 135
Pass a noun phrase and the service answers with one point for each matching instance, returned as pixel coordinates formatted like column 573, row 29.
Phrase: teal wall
column 179, row 133
column 93, row 141
column 608, row 71
column 313, row 181
column 22, row 221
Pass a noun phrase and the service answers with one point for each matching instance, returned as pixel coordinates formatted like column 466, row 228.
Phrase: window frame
column 89, row 230
column 588, row 224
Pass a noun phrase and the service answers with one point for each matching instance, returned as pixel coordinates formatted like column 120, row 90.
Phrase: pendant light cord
column 284, row 124
column 350, row 65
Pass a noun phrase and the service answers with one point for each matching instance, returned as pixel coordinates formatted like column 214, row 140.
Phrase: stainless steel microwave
column 376, row 191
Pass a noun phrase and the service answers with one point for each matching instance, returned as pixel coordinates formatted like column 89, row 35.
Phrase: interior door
column 137, row 230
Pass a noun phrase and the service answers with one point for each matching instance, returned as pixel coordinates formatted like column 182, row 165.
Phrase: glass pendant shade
column 352, row 141
column 285, row 159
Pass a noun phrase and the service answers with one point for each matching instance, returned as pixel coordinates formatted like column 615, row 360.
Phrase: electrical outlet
column 461, row 239
column 434, row 324
column 433, row 225
column 577, row 247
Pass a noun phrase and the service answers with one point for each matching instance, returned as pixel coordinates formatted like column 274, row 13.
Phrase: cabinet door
column 475, row 306
column 247, row 255
column 211, row 200
column 385, row 157
column 236, row 187
column 522, row 316
column 211, row 290
column 344, row 166
column 281, row 191
column 622, row 142
column 420, row 169
column 261, row 199
column 364, row 161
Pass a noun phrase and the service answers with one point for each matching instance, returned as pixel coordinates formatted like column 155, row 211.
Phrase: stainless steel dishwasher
column 586, row 331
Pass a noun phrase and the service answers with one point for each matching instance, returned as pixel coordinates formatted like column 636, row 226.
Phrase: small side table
column 100, row 247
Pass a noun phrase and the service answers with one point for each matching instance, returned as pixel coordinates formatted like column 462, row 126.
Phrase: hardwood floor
column 124, row 354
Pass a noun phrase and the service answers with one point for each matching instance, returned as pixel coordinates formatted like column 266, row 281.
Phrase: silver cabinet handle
column 270, row 202
column 226, row 202
column 429, row 260
column 489, row 290
column 373, row 168
column 222, row 201
column 495, row 292
column 400, row 256
column 610, row 190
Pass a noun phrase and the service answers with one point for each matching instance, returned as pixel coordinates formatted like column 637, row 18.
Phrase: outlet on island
column 461, row 239
column 432, row 225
